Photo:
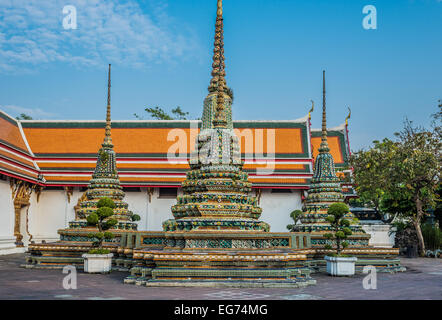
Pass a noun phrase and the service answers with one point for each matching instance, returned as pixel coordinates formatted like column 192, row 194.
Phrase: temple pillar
column 21, row 194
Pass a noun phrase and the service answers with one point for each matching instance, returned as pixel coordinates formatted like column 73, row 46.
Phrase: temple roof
column 64, row 152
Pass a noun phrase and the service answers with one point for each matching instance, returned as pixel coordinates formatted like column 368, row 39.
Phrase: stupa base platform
column 232, row 284
column 202, row 268
column 383, row 259
column 356, row 240
column 227, row 259
column 68, row 251
column 59, row 254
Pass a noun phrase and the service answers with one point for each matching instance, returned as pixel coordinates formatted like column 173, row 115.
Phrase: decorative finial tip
column 312, row 109
column 348, row 117
column 220, row 7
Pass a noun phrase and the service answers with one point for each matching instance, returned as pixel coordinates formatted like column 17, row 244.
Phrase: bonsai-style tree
column 339, row 225
column 296, row 216
column 135, row 217
column 102, row 219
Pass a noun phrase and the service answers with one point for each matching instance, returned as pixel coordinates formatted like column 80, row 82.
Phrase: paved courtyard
column 422, row 280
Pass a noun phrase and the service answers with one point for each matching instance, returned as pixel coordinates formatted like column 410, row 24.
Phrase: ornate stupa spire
column 218, row 82
column 105, row 181
column 324, row 143
column 325, row 187
column 107, row 135
column 218, row 104
column 216, row 189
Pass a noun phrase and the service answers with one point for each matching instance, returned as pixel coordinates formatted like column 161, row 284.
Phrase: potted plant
column 99, row 259
column 339, row 264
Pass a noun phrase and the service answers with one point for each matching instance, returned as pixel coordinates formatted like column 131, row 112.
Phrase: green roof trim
column 8, row 118
column 155, row 124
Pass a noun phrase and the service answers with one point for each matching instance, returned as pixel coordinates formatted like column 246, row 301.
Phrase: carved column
column 69, row 193
column 21, row 193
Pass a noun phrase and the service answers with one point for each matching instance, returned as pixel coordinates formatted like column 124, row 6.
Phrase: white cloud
column 115, row 31
column 35, row 113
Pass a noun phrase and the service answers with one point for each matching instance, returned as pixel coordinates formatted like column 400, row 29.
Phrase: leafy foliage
column 158, row 113
column 403, row 177
column 102, row 219
column 340, row 226
column 99, row 251
column 106, row 203
column 415, row 174
column 432, row 236
column 24, row 116
column 371, row 172
column 296, row 216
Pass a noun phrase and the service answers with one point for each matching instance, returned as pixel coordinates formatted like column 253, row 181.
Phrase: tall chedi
column 216, row 189
column 105, row 181
column 215, row 237
column 325, row 188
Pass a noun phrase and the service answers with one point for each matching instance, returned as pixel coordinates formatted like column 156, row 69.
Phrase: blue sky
column 275, row 53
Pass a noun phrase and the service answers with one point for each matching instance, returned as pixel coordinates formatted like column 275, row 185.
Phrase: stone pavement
column 422, row 280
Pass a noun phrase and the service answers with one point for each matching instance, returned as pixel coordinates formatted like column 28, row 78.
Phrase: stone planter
column 97, row 263
column 341, row 266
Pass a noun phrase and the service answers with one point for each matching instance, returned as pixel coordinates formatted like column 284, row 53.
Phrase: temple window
column 168, row 193
column 281, row 191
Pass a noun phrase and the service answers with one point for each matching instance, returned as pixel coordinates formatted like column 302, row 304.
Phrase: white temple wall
column 51, row 212
column 276, row 208
column 159, row 210
column 138, row 204
column 7, row 216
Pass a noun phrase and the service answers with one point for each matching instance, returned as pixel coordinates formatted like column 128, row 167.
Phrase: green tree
column 158, row 113
column 438, row 207
column 102, row 218
column 24, row 116
column 415, row 174
column 403, row 177
column 370, row 172
column 437, row 119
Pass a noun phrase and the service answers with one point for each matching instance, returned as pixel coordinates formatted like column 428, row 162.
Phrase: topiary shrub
column 135, row 217
column 102, row 219
column 296, row 216
column 340, row 226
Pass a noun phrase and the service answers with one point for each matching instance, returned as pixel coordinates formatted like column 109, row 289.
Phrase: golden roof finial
column 107, row 136
column 311, row 110
column 348, row 117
